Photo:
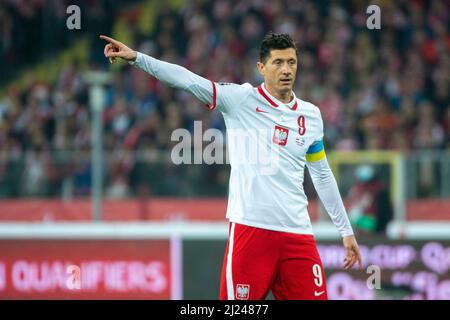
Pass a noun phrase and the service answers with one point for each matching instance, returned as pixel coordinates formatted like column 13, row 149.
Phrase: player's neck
column 284, row 96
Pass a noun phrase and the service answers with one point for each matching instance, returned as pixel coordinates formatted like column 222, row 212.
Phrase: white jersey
column 269, row 143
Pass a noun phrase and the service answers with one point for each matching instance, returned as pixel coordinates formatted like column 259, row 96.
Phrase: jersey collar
column 274, row 102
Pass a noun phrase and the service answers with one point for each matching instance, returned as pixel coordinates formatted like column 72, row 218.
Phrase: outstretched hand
column 116, row 49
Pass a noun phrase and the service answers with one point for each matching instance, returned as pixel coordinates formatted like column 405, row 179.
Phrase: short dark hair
column 275, row 41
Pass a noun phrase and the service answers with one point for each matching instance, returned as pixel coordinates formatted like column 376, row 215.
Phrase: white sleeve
column 178, row 77
column 231, row 97
column 328, row 192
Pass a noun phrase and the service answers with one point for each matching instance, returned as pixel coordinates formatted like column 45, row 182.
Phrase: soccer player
column 271, row 245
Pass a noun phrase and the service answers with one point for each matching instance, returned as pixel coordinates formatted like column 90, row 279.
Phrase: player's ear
column 261, row 68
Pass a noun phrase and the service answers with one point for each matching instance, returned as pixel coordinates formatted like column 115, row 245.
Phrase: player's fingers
column 351, row 262
column 111, row 40
column 111, row 49
column 113, row 54
column 346, row 263
column 108, row 47
column 347, row 260
column 359, row 258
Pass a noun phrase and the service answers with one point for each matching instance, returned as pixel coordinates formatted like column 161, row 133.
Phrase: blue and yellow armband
column 316, row 152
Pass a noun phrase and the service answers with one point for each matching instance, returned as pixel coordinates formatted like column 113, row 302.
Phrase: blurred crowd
column 33, row 30
column 384, row 89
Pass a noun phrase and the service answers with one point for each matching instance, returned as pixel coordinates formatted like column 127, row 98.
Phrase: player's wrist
column 133, row 56
column 133, row 59
column 130, row 56
column 347, row 235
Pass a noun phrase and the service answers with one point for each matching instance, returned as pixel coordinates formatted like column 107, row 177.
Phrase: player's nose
column 286, row 73
column 285, row 70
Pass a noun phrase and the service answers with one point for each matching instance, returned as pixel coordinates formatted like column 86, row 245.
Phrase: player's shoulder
column 231, row 94
column 235, row 85
column 234, row 88
column 306, row 105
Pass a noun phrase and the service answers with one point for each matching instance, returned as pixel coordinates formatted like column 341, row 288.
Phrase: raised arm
column 171, row 74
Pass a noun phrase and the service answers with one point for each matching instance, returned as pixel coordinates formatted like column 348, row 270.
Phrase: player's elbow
column 322, row 177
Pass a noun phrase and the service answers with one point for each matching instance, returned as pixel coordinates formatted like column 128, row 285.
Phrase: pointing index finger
column 110, row 40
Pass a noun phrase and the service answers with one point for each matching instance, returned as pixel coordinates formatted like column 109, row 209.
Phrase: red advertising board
column 89, row 269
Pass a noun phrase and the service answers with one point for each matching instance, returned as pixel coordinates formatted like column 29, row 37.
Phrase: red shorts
column 258, row 260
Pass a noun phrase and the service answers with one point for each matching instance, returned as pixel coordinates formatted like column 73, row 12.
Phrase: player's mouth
column 286, row 81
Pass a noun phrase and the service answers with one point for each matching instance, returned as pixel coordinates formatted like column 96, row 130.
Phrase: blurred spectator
column 31, row 30
column 429, row 133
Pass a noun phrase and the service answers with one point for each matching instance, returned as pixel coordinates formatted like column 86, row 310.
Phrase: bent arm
column 178, row 77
